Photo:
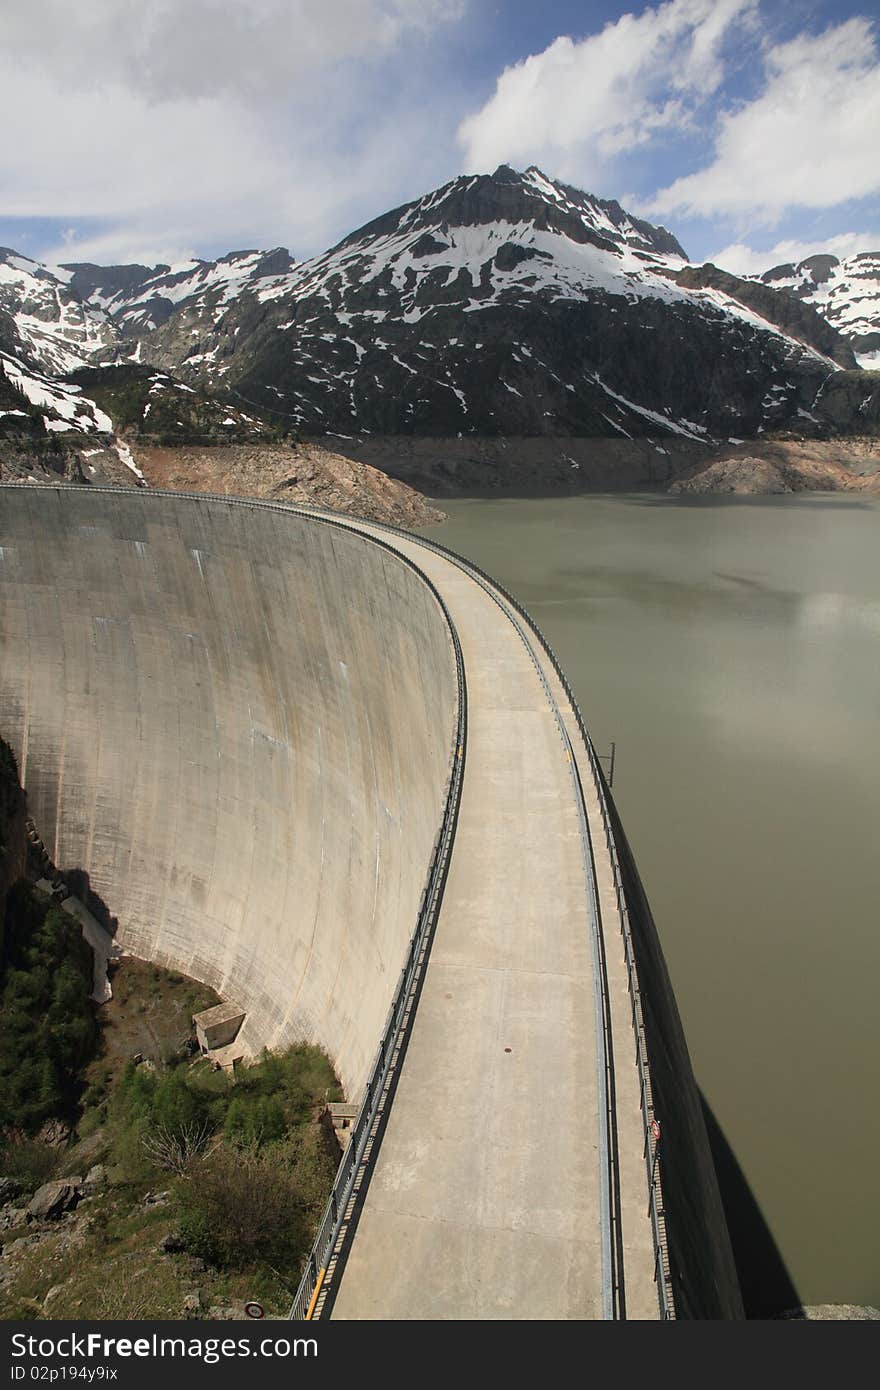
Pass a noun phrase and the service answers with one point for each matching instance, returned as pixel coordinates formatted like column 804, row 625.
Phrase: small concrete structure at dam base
column 218, row 1026
column 241, row 722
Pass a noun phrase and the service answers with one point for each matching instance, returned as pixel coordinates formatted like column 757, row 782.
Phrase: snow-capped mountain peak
column 140, row 298
column 846, row 293
column 504, row 303
column 43, row 319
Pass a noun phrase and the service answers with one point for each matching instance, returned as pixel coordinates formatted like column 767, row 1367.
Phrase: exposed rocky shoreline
column 390, row 478
column 308, row 473
column 546, row 466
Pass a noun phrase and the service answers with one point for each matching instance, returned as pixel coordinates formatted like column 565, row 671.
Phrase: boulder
column 192, row 1304
column 55, row 1132
column 218, row 1313
column 53, row 1199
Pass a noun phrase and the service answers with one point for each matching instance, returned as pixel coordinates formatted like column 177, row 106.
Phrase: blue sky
column 190, row 127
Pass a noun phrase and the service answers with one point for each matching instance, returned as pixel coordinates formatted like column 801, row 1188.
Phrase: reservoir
column 731, row 648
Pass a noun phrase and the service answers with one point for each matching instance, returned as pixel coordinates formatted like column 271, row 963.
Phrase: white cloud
column 808, row 141
column 168, row 126
column 741, row 259
column 173, row 49
column 576, row 104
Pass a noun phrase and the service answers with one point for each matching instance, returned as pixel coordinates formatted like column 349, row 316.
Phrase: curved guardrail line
column 353, row 1171
column 611, row 1241
column 662, row 1272
column 612, row 1280
column 612, row 1283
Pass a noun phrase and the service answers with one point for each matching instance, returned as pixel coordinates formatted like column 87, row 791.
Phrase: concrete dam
column 334, row 772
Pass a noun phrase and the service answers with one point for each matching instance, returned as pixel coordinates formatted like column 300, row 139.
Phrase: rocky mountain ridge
column 498, row 305
column 846, row 293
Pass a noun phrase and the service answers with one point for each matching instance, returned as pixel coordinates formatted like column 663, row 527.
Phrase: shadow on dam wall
column 767, row 1287
column 748, row 1277
column 236, row 723
column 701, row 1260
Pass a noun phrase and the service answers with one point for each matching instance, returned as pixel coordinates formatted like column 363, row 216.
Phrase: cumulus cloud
column 808, row 141
column 741, row 259
column 578, row 103
column 170, row 126
column 166, row 49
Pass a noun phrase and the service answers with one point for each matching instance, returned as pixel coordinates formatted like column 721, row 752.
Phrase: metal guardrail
column 662, row 1272
column 612, row 1286
column 656, row 1210
column 613, row 1296
column 337, row 1212
column 353, row 1168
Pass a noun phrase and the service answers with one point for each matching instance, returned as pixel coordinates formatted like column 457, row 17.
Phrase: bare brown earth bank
column 548, row 465
column 385, row 477
column 288, row 473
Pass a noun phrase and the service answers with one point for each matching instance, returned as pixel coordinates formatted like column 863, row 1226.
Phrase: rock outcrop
column 302, row 473
column 53, row 1199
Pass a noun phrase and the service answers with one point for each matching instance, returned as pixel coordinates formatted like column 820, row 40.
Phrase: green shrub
column 239, row 1208
column 254, row 1121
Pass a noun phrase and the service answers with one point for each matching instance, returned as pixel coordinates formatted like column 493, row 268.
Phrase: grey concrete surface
column 238, row 723
column 484, row 1202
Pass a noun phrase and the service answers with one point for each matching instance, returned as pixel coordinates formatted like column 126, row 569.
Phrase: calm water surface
column 732, row 649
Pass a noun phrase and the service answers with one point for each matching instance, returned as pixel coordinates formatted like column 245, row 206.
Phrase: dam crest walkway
column 511, row 1179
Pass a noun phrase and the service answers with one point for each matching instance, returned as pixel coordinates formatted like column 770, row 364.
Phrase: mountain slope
column 137, row 299
column 846, row 293
column 502, row 304
column 45, row 323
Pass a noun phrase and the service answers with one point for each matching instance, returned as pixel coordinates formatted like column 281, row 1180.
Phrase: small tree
column 240, row 1208
column 175, row 1149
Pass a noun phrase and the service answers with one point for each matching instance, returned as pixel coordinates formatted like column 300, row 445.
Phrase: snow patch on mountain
column 846, row 293
column 54, row 329
column 64, row 408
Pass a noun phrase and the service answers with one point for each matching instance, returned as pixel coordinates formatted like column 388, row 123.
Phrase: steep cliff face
column 796, row 317
column 847, row 398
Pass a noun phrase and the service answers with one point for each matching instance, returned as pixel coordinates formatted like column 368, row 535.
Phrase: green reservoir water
column 731, row 647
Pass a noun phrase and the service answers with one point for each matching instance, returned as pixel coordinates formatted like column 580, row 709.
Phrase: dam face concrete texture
column 238, row 722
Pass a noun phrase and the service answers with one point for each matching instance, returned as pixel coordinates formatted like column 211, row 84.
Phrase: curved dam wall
column 238, row 723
